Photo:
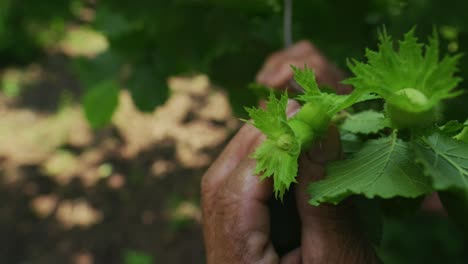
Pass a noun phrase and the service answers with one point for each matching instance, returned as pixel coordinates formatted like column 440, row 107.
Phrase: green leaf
column 105, row 66
column 100, row 102
column 382, row 168
column 148, row 88
column 365, row 122
column 388, row 71
column 112, row 23
column 137, row 257
column 452, row 128
column 331, row 102
column 350, row 143
column 445, row 161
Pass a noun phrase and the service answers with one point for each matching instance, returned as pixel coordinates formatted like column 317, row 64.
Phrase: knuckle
column 205, row 185
column 208, row 193
column 306, row 44
column 274, row 57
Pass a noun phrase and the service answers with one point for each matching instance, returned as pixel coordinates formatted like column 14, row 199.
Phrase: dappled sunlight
column 83, row 41
column 69, row 213
column 217, row 108
column 116, row 181
column 29, row 138
column 161, row 168
column 44, row 205
column 77, row 213
column 198, row 85
column 169, row 122
column 55, row 157
column 187, row 119
column 186, row 210
column 13, row 80
column 83, row 258
column 63, row 166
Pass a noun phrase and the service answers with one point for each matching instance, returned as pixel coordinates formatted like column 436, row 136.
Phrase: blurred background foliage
column 225, row 39
column 138, row 45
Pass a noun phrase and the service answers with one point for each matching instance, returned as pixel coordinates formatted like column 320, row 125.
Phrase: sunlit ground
column 61, row 148
column 124, row 193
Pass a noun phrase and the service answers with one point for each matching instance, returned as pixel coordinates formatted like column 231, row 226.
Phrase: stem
column 288, row 39
column 287, row 23
column 310, row 122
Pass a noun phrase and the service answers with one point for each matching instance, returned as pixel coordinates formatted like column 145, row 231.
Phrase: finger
column 300, row 49
column 327, row 149
column 310, row 172
column 240, row 217
column 279, row 76
column 236, row 222
column 239, row 147
column 249, row 191
column 326, row 228
column 293, row 257
column 269, row 66
column 238, row 213
column 274, row 62
column 311, row 169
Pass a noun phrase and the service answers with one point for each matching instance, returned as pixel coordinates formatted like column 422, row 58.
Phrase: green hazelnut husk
column 404, row 118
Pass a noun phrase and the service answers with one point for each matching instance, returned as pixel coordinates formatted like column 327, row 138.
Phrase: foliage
column 365, row 122
column 226, row 39
column 402, row 154
column 277, row 156
column 137, row 257
column 383, row 167
column 412, row 83
column 445, row 161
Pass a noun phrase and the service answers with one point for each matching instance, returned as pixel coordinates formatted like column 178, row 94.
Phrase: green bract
column 412, row 80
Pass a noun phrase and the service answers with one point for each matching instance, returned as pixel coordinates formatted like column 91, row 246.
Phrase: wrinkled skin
column 236, row 220
column 276, row 71
column 236, row 217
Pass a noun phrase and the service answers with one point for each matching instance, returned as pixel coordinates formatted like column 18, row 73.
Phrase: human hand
column 236, row 221
column 276, row 71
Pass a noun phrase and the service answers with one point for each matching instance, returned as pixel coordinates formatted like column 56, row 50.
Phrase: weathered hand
column 276, row 70
column 236, row 221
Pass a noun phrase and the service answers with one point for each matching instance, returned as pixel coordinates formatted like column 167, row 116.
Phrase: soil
column 130, row 191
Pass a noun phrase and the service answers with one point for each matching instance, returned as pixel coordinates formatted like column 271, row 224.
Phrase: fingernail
column 292, row 108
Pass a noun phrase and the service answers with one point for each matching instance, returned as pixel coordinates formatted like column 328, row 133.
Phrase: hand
column 236, row 218
column 276, row 71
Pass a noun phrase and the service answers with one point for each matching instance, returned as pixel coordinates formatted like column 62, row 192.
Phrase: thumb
column 326, row 228
column 311, row 169
column 329, row 234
